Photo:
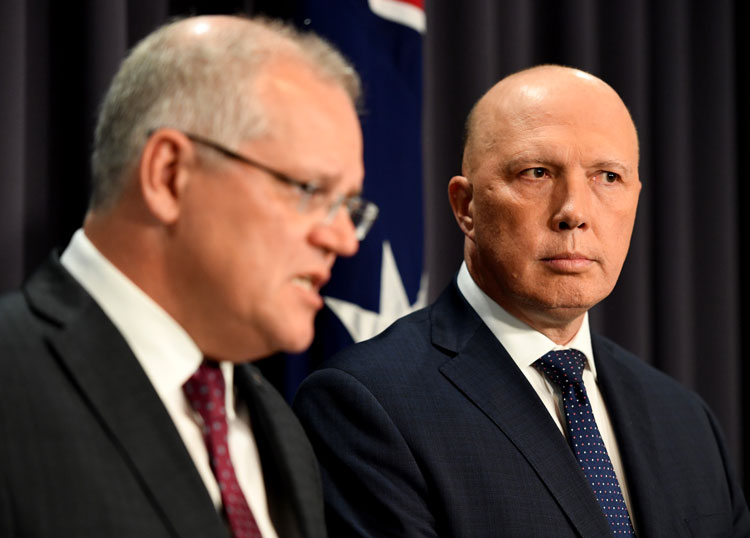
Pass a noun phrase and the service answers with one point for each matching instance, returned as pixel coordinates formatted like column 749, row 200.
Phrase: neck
column 133, row 249
column 561, row 335
column 561, row 330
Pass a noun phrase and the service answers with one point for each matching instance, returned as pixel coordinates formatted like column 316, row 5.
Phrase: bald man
column 495, row 412
column 227, row 165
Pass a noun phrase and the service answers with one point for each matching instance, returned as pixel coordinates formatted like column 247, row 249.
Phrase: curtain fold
column 12, row 136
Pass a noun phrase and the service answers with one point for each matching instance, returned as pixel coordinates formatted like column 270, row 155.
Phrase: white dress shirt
column 525, row 345
column 169, row 357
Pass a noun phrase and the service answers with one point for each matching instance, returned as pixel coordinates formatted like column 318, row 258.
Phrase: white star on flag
column 363, row 324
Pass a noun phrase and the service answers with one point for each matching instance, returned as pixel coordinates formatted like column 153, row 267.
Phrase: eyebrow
column 524, row 160
column 554, row 162
column 605, row 165
column 326, row 181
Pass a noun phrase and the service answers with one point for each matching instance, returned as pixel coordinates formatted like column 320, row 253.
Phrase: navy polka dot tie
column 205, row 392
column 565, row 369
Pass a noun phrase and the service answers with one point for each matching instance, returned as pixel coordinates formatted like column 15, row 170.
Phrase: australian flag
column 385, row 279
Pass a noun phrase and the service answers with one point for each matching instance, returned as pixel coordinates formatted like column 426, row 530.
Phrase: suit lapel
column 636, row 437
column 290, row 471
column 123, row 401
column 484, row 372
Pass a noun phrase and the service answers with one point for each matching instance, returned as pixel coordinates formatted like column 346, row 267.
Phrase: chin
column 245, row 350
column 562, row 307
column 298, row 341
column 297, row 348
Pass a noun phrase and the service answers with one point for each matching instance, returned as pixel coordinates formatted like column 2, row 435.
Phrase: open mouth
column 305, row 282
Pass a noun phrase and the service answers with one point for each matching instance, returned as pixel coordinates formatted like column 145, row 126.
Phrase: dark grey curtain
column 676, row 63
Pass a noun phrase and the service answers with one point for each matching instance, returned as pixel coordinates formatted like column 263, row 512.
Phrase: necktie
column 205, row 392
column 565, row 369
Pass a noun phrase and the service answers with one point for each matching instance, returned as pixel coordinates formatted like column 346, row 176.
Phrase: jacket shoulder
column 610, row 354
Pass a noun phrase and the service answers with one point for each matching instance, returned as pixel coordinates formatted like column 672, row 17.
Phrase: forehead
column 294, row 95
column 581, row 143
column 580, row 119
column 312, row 123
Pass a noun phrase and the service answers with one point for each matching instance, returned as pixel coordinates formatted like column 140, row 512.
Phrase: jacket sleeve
column 740, row 514
column 372, row 483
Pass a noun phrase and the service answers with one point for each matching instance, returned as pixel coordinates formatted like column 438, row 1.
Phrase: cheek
column 618, row 232
column 231, row 247
column 215, row 212
column 509, row 227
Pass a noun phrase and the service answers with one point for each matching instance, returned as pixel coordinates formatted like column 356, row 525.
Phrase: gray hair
column 199, row 85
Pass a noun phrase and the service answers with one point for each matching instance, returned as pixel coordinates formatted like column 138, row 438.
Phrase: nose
column 571, row 204
column 336, row 235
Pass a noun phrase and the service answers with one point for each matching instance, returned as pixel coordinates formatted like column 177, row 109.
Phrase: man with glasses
column 227, row 169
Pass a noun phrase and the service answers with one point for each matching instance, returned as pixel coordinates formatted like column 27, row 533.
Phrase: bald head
column 548, row 195
column 549, row 93
column 198, row 74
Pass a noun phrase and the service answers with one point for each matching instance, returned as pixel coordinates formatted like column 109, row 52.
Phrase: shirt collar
column 164, row 349
column 523, row 343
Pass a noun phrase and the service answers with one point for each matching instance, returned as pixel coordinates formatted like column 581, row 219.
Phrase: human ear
column 165, row 167
column 461, row 197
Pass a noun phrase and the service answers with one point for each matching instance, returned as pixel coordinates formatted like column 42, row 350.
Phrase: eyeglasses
column 361, row 212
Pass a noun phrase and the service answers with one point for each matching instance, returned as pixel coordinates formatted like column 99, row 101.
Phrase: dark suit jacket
column 430, row 429
column 88, row 449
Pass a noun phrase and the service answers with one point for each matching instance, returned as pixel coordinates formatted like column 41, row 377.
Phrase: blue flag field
column 384, row 280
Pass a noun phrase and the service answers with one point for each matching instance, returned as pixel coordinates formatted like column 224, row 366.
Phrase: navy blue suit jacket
column 430, row 429
column 87, row 449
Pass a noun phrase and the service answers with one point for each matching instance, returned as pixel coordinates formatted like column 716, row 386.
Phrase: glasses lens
column 363, row 215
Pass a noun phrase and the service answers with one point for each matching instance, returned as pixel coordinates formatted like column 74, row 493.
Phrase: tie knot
column 205, row 391
column 562, row 367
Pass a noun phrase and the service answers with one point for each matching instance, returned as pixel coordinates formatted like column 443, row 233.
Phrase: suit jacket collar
column 485, row 373
column 290, row 471
column 622, row 390
column 120, row 396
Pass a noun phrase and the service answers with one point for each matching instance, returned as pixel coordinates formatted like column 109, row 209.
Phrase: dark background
column 677, row 64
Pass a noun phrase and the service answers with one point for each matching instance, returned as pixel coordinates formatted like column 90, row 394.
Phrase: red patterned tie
column 205, row 392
